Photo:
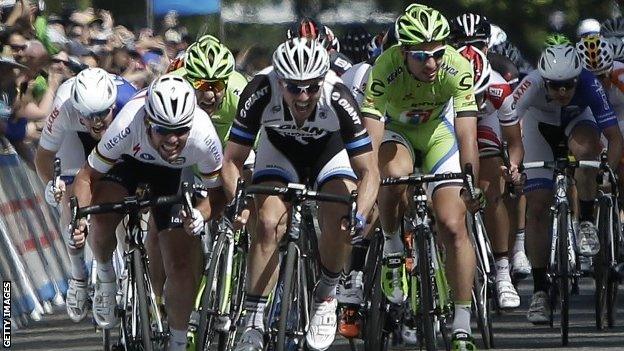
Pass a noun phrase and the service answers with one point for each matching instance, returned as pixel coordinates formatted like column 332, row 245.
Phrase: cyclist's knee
column 270, row 226
column 454, row 228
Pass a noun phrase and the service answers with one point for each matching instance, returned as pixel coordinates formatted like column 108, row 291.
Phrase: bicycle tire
column 106, row 340
column 239, row 277
column 482, row 305
column 141, row 299
column 426, row 289
column 601, row 266
column 289, row 279
column 564, row 271
column 375, row 337
column 613, row 282
column 208, row 299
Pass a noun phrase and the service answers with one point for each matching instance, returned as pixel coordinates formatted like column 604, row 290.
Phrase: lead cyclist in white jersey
column 157, row 134
column 84, row 107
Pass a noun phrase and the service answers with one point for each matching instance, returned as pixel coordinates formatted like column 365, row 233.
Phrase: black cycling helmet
column 355, row 44
column 470, row 28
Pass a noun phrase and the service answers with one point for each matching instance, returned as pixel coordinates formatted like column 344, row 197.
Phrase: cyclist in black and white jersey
column 310, row 132
column 84, row 106
column 157, row 134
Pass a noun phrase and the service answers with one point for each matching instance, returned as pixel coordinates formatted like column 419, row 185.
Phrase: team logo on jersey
column 495, row 92
column 465, row 82
column 117, row 138
column 520, row 90
column 178, row 161
column 335, row 96
column 147, row 157
column 448, row 69
column 598, row 87
column 216, row 154
column 303, row 135
column 253, row 98
column 349, row 108
column 51, row 119
column 339, row 62
column 392, row 76
column 377, row 87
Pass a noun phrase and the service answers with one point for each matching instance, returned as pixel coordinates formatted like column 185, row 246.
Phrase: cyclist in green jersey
column 425, row 88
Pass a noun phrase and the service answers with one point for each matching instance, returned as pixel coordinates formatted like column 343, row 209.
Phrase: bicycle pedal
column 223, row 323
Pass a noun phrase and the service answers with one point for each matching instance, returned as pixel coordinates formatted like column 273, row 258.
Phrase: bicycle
column 610, row 236
column 219, row 303
column 288, row 318
column 562, row 271
column 141, row 326
column 429, row 294
column 484, row 288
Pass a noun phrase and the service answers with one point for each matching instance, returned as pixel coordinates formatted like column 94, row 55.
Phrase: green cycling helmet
column 421, row 24
column 557, row 39
column 208, row 59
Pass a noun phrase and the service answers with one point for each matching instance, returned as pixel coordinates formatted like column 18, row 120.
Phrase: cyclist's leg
column 156, row 267
column 395, row 159
column 271, row 167
column 538, row 192
column 584, row 144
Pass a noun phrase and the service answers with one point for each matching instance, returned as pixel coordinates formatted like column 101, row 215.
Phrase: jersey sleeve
column 524, row 93
column 125, row 92
column 463, row 88
column 597, row 100
column 209, row 167
column 354, row 135
column 116, row 141
column 253, row 100
column 339, row 63
column 56, row 125
column 375, row 96
column 500, row 95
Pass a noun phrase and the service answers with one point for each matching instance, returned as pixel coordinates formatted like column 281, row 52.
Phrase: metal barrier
column 33, row 254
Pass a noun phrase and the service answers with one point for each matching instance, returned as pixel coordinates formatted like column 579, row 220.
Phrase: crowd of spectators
column 41, row 50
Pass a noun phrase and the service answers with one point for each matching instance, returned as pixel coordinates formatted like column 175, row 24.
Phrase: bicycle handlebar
column 419, row 179
column 562, row 164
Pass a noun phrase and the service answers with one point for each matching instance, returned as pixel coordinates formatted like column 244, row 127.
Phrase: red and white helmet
column 480, row 66
column 309, row 28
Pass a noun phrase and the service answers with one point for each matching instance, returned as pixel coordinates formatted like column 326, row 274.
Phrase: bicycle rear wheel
column 563, row 271
column 375, row 335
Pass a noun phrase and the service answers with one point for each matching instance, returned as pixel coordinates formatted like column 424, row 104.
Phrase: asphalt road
column 512, row 331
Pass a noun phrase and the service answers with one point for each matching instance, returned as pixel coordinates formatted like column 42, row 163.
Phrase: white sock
column 462, row 317
column 78, row 267
column 502, row 269
column 106, row 271
column 177, row 342
column 519, row 244
column 393, row 244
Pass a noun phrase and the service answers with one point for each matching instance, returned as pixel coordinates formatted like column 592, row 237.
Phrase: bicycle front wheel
column 141, row 300
column 425, row 309
column 563, row 270
column 287, row 294
column 375, row 336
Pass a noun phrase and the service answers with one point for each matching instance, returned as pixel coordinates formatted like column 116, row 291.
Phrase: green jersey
column 394, row 93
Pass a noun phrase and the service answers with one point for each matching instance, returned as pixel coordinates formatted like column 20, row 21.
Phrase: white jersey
column 128, row 135
column 64, row 118
column 499, row 100
column 356, row 78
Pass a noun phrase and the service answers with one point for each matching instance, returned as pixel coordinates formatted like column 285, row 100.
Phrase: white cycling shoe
column 76, row 301
column 323, row 324
column 350, row 292
column 105, row 304
column 520, row 265
column 507, row 295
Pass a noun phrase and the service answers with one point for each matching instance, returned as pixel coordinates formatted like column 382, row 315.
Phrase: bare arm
column 375, row 129
column 37, row 111
column 83, row 184
column 513, row 136
column 614, row 150
column 233, row 160
column 213, row 205
column 466, row 131
column 367, row 171
column 44, row 160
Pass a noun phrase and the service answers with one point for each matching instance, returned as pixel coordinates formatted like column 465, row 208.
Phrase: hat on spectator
column 172, row 36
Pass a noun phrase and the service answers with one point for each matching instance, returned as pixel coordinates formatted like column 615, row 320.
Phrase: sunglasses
column 98, row 115
column 423, row 55
column 164, row 131
column 17, row 47
column 216, row 86
column 60, row 61
column 297, row 89
column 559, row 84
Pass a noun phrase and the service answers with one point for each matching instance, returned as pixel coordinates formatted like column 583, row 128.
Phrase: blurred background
column 242, row 23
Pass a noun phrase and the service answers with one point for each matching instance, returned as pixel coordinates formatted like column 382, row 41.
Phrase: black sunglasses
column 17, row 47
column 297, row 89
column 96, row 115
column 66, row 63
column 559, row 84
column 164, row 131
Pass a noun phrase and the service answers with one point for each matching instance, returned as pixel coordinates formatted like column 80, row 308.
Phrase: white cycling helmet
column 617, row 46
column 480, row 66
column 93, row 91
column 300, row 59
column 613, row 27
column 497, row 35
column 170, row 102
column 596, row 53
column 588, row 26
column 559, row 62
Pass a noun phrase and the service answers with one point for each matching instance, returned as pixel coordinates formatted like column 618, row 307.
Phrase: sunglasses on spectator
column 56, row 60
column 424, row 55
column 164, row 131
column 561, row 84
column 297, row 89
column 216, row 86
column 99, row 115
column 17, row 47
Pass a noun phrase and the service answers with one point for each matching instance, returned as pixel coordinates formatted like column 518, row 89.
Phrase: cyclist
column 425, row 88
column 561, row 102
column 157, row 134
column 472, row 33
column 309, row 28
column 84, row 107
column 311, row 131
